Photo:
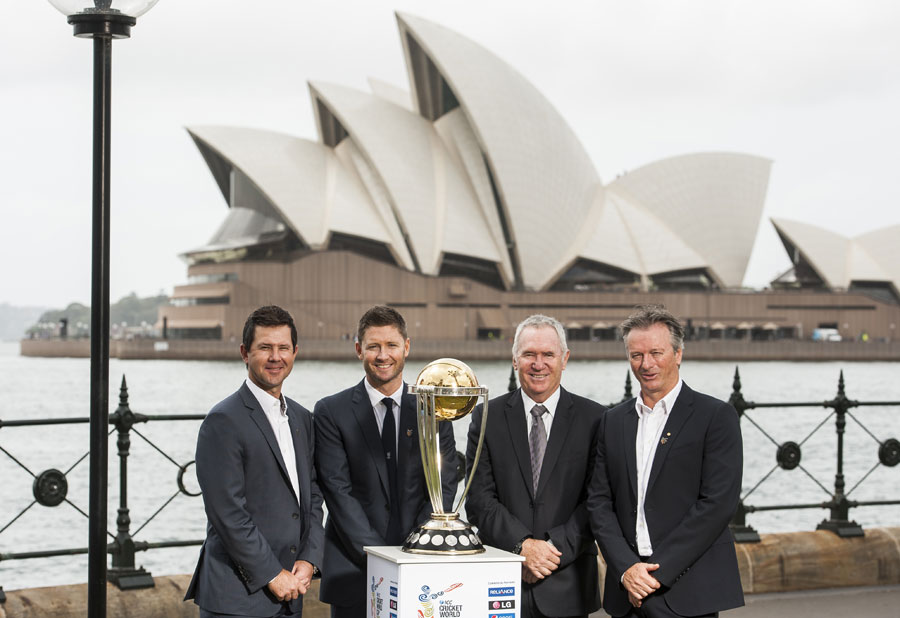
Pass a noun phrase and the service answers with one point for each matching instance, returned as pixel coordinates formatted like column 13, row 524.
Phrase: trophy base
column 445, row 534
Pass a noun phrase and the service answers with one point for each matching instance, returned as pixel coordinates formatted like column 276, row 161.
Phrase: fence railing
column 788, row 456
column 50, row 487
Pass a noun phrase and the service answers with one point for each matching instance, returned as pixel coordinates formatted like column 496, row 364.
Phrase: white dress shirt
column 550, row 403
column 651, row 423
column 276, row 413
column 376, row 397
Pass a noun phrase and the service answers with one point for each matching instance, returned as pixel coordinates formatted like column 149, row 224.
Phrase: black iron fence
column 788, row 457
column 50, row 487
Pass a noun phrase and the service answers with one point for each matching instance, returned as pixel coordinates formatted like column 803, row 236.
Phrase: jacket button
column 295, row 515
column 293, row 549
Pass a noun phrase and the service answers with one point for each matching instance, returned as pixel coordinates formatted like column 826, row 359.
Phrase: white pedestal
column 406, row 585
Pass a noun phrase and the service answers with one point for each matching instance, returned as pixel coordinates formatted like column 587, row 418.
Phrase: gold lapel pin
column 408, row 433
column 664, row 440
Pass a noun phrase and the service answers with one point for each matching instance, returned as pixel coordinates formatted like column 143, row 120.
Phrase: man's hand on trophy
column 541, row 559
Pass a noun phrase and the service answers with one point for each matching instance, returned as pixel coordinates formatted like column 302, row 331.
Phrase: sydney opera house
column 468, row 203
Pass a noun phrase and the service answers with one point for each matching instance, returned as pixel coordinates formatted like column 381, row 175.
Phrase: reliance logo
column 503, row 591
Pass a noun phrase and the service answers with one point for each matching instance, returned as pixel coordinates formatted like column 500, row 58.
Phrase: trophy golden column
column 446, row 390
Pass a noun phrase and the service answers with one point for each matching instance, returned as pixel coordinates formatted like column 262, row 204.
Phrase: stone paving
column 865, row 602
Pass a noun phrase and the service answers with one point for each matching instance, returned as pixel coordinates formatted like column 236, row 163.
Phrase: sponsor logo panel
column 502, row 591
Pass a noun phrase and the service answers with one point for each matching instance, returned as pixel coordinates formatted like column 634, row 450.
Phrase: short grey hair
column 646, row 316
column 540, row 321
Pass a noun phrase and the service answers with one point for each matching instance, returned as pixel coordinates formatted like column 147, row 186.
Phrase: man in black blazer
column 369, row 465
column 530, row 486
column 255, row 466
column 666, row 484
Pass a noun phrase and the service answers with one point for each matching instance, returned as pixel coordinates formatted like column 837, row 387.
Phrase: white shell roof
column 839, row 260
column 824, row 250
column 657, row 247
column 390, row 92
column 544, row 177
column 463, row 146
column 712, row 201
column 424, row 187
column 883, row 245
column 430, row 198
column 310, row 189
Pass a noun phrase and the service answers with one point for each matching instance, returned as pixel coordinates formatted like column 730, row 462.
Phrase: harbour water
column 59, row 387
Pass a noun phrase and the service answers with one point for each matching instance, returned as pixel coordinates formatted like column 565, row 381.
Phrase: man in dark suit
column 666, row 483
column 255, row 466
column 530, row 486
column 368, row 462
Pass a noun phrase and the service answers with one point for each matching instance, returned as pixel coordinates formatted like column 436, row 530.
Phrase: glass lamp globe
column 131, row 8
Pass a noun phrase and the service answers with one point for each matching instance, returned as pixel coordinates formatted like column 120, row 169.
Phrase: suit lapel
column 559, row 431
column 681, row 411
column 518, row 436
column 629, row 436
column 365, row 417
column 259, row 417
column 300, row 448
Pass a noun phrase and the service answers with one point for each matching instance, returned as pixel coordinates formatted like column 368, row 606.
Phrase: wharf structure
column 468, row 203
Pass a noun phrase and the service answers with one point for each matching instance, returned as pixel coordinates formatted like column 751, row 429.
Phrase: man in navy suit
column 255, row 466
column 530, row 486
column 666, row 483
column 368, row 462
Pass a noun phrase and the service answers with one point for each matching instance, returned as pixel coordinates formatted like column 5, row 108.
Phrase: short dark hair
column 380, row 315
column 645, row 316
column 270, row 315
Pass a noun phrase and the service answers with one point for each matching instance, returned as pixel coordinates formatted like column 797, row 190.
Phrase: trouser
column 530, row 608
column 655, row 606
column 284, row 611
column 359, row 610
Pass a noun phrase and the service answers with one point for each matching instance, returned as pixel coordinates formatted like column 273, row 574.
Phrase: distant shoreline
column 320, row 349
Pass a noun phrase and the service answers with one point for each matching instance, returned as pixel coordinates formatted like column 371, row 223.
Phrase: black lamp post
column 103, row 21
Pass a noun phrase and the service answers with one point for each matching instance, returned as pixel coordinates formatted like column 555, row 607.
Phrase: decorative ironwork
column 788, row 455
column 889, row 452
column 50, row 489
column 788, row 458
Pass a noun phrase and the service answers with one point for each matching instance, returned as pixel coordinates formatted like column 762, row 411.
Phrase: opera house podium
column 478, row 585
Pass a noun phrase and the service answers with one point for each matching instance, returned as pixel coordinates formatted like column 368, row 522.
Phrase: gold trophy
column 446, row 390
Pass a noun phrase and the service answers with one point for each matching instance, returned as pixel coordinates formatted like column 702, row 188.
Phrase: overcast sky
column 813, row 85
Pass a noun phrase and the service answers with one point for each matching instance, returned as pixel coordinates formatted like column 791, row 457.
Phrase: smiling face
column 654, row 361
column 383, row 351
column 540, row 362
column 270, row 357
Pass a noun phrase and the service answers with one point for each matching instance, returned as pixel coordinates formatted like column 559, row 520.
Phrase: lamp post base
column 130, row 578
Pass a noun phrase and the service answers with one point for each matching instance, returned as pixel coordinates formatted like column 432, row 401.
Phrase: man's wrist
column 517, row 549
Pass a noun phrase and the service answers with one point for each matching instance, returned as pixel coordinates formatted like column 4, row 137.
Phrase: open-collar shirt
column 275, row 409
column 651, row 422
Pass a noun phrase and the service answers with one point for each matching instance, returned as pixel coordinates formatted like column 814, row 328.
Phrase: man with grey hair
column 666, row 482
column 529, row 490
